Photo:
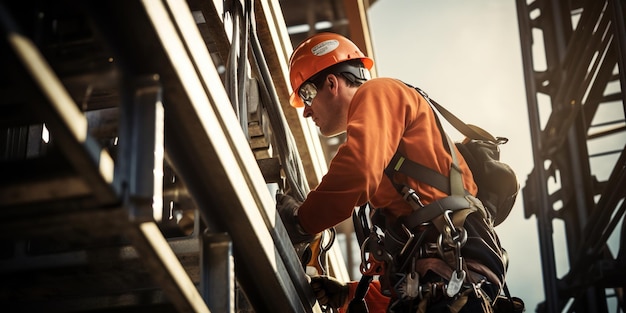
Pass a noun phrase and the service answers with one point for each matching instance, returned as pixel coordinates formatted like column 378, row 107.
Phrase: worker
column 331, row 81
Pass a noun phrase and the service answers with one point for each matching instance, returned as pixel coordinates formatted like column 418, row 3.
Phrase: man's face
column 328, row 110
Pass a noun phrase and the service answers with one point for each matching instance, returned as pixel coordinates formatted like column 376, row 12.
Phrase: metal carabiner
column 453, row 234
column 370, row 264
column 448, row 219
column 367, row 264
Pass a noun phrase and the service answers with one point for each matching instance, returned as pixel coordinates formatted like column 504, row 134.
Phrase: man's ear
column 332, row 81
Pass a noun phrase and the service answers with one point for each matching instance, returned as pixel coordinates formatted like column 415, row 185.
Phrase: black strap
column 357, row 304
column 361, row 224
column 470, row 131
column 401, row 164
column 362, row 231
column 434, row 209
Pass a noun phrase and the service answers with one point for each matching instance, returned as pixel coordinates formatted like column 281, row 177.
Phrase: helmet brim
column 295, row 100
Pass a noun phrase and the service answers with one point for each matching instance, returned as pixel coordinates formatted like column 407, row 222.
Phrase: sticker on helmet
column 325, row 47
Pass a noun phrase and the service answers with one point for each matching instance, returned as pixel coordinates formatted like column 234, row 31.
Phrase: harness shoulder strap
column 455, row 176
column 453, row 184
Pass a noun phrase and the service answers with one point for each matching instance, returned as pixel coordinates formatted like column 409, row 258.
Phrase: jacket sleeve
column 376, row 121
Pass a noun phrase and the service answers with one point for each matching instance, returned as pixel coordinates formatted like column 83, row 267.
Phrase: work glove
column 329, row 291
column 287, row 207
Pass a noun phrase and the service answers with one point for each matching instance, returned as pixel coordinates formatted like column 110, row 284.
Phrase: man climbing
column 383, row 117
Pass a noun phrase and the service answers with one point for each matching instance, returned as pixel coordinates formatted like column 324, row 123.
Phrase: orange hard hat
column 317, row 53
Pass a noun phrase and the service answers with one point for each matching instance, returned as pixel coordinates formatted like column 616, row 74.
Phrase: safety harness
column 421, row 256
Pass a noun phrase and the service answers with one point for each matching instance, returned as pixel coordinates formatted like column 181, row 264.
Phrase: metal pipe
column 284, row 140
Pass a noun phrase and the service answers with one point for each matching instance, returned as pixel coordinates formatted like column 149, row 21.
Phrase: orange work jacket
column 385, row 115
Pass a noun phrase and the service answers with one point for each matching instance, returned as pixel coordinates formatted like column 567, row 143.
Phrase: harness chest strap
column 452, row 185
column 418, row 171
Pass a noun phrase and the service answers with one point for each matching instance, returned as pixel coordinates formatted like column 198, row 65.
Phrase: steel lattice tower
column 574, row 57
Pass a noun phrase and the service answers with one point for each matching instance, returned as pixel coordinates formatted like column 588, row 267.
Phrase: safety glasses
column 309, row 88
column 307, row 92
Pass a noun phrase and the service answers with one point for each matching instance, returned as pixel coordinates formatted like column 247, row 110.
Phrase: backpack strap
column 470, row 131
column 456, row 177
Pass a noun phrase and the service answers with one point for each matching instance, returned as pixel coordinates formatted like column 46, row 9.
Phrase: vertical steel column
column 217, row 272
column 618, row 9
column 538, row 176
column 141, row 143
column 146, row 119
column 580, row 59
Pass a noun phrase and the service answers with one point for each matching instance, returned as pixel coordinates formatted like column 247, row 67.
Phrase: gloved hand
column 287, row 207
column 329, row 291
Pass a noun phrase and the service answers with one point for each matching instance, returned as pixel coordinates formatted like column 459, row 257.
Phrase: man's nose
column 307, row 111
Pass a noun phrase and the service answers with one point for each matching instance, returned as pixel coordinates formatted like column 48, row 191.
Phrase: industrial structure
column 142, row 143
column 574, row 56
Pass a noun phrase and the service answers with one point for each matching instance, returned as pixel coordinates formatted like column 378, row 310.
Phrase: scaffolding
column 141, row 144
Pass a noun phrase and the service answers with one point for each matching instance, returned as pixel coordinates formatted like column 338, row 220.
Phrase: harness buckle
column 411, row 196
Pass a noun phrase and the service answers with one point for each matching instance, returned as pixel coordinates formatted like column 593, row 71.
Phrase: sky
column 466, row 55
